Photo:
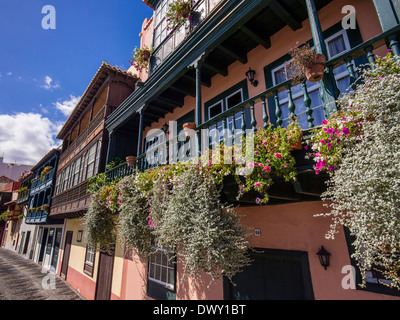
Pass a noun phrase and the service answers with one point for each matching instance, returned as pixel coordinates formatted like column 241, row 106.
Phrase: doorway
column 272, row 275
column 67, row 251
column 104, row 275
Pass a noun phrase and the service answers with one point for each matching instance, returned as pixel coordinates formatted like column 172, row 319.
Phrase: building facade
column 83, row 155
column 200, row 74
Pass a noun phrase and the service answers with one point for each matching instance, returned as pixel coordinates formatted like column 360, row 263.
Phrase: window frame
column 88, row 265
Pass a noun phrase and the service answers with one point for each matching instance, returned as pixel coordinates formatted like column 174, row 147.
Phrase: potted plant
column 131, row 161
column 178, row 12
column 188, row 127
column 141, row 58
column 306, row 64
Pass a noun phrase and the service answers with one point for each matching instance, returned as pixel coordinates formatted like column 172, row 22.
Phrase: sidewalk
column 22, row 279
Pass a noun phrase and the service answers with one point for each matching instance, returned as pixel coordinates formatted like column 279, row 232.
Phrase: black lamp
column 250, row 75
column 323, row 256
column 165, row 128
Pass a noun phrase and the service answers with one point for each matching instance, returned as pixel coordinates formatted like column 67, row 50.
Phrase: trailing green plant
column 178, row 12
column 100, row 219
column 95, row 183
column 133, row 227
column 187, row 214
column 364, row 193
column 141, row 58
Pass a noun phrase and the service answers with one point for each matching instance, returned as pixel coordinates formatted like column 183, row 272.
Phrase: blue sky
column 44, row 72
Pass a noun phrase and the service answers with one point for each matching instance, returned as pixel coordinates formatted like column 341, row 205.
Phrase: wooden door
column 104, row 275
column 273, row 275
column 67, row 251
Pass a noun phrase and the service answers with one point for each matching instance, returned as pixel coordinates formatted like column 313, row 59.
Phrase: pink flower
column 258, row 185
column 278, row 155
column 322, row 141
column 265, row 143
column 286, row 165
column 267, row 169
column 325, row 122
column 256, row 153
column 329, row 145
column 261, row 165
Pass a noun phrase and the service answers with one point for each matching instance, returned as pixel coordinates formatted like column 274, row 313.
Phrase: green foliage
column 272, row 159
column 364, row 192
column 188, row 215
column 139, row 59
column 178, row 12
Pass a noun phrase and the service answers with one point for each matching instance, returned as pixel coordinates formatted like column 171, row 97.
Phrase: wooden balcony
column 308, row 185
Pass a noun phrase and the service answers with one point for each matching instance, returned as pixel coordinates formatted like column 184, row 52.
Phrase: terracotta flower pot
column 188, row 128
column 298, row 145
column 146, row 55
column 131, row 161
column 316, row 72
column 186, row 10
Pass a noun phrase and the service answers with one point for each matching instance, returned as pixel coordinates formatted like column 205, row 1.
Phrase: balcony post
column 329, row 89
column 140, row 135
column 110, row 148
column 198, row 65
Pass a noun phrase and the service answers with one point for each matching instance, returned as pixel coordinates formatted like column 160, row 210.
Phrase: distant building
column 12, row 170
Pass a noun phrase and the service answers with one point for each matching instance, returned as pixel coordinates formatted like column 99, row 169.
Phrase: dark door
column 43, row 245
column 28, row 235
column 273, row 275
column 56, row 249
column 67, row 251
column 104, row 275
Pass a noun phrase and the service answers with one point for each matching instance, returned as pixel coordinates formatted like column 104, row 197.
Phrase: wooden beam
column 163, row 108
column 206, row 83
column 183, row 91
column 285, row 15
column 265, row 43
column 222, row 71
column 176, row 102
column 233, row 53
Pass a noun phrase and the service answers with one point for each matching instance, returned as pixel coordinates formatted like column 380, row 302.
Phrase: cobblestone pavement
column 22, row 279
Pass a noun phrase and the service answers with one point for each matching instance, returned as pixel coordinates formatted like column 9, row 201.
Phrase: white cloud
column 9, row 74
column 50, row 84
column 27, row 137
column 67, row 106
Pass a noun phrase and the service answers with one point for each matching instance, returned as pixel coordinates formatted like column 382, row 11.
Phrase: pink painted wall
column 86, row 286
column 295, row 227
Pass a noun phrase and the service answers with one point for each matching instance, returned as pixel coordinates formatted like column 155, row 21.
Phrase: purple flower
column 329, row 145
column 258, row 200
column 346, row 131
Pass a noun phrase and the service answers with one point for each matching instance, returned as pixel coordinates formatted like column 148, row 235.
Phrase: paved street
column 22, row 279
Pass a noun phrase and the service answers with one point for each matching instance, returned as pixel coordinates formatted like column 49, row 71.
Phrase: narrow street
column 22, row 279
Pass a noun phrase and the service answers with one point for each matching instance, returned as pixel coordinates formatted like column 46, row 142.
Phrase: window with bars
column 336, row 44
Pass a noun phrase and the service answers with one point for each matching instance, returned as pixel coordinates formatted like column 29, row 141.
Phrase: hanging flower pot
column 315, row 72
column 146, row 55
column 131, row 161
column 189, row 128
column 297, row 145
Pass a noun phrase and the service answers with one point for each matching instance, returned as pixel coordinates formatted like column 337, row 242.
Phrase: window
column 160, row 22
column 161, row 274
column 154, row 148
column 97, row 161
column 91, row 159
column 336, row 44
column 89, row 260
column 229, row 101
column 77, row 171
